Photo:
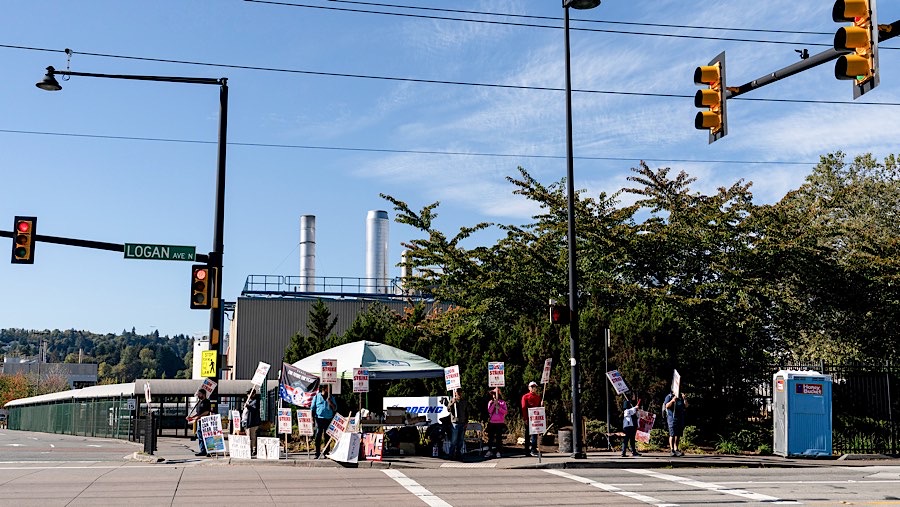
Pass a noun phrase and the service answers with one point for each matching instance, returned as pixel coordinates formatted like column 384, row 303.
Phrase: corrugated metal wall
column 265, row 326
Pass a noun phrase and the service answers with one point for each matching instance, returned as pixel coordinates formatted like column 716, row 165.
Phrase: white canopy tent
column 383, row 361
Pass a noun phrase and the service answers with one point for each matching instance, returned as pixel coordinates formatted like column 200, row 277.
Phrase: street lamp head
column 49, row 82
column 581, row 4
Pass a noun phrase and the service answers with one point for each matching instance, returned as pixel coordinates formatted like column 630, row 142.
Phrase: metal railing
column 283, row 285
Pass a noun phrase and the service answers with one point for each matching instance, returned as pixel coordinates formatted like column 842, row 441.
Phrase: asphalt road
column 75, row 472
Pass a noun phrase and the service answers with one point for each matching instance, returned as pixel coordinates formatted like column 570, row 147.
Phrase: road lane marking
column 759, row 497
column 416, row 489
column 612, row 489
column 468, row 465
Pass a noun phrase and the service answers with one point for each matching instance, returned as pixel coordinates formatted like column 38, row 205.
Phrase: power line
column 551, row 18
column 534, row 25
column 438, row 81
column 396, row 151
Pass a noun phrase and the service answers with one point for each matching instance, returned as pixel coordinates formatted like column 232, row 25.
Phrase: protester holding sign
column 323, row 408
column 201, row 409
column 459, row 418
column 250, row 418
column 674, row 406
column 630, row 423
column 531, row 399
column 496, row 423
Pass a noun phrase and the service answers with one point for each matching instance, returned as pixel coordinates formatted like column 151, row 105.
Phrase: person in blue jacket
column 323, row 408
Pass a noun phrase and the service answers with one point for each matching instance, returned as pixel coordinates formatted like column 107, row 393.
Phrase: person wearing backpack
column 497, row 410
column 674, row 406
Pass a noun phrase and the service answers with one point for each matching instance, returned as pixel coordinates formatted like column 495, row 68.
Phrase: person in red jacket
column 530, row 399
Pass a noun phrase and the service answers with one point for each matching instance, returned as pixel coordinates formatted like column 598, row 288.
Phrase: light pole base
column 579, row 455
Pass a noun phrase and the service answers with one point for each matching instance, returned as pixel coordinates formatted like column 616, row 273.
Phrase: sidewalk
column 174, row 450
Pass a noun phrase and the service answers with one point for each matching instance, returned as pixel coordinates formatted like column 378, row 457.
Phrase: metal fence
column 865, row 405
column 99, row 417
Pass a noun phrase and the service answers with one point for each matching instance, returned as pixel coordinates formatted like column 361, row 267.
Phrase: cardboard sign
column 537, row 420
column 329, row 371
column 337, row 426
column 353, row 424
column 496, row 374
column 373, row 446
column 284, row 421
column 347, row 448
column 260, row 376
column 615, row 378
column 211, row 431
column 645, row 424
column 305, row 425
column 268, row 448
column 452, row 378
column 235, row 417
column 239, row 446
column 545, row 377
column 360, row 380
column 208, row 385
column 676, row 383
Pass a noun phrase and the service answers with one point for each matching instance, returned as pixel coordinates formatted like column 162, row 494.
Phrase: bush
column 727, row 447
column 764, row 450
column 659, row 439
column 690, row 436
column 595, row 434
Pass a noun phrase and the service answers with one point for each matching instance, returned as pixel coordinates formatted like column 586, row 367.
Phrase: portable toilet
column 802, row 405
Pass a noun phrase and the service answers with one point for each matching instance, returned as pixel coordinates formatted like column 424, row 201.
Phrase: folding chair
column 474, row 437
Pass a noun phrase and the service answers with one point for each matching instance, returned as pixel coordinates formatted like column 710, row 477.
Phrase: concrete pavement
column 181, row 450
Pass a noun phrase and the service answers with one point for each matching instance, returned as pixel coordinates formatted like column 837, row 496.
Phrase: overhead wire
column 436, row 81
column 399, row 151
column 535, row 25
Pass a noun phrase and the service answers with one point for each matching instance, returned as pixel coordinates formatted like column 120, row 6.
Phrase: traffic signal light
column 559, row 314
column 201, row 287
column 715, row 119
column 859, row 41
column 23, row 240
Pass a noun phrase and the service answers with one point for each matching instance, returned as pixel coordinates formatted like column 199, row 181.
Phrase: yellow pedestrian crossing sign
column 208, row 363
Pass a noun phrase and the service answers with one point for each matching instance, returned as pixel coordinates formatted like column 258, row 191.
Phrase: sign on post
column 239, row 446
column 451, row 377
column 496, row 374
column 615, row 378
column 211, row 430
column 360, row 380
column 208, row 385
column 676, row 383
column 268, row 448
column 260, row 376
column 537, row 421
column 329, row 371
column 545, row 377
column 160, row 252
column 337, row 426
column 208, row 363
column 284, row 421
column 305, row 423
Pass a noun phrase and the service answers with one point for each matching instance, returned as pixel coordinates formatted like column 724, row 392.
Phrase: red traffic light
column 23, row 226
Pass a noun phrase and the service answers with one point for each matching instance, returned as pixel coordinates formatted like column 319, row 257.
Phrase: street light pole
column 214, row 261
column 577, row 440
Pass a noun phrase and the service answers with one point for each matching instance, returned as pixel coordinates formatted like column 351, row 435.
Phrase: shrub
column 764, row 450
column 659, row 439
column 690, row 436
column 727, row 447
column 595, row 434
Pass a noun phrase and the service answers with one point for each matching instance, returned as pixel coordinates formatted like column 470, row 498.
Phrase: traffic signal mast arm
column 885, row 32
column 84, row 243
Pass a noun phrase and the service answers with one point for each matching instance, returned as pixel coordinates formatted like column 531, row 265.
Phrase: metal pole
column 577, row 450
column 215, row 257
column 606, row 384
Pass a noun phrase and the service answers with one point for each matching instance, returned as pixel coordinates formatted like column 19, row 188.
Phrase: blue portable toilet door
column 808, row 415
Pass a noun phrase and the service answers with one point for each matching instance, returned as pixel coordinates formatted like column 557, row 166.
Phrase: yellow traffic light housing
column 201, row 287
column 23, row 240
column 859, row 41
column 714, row 98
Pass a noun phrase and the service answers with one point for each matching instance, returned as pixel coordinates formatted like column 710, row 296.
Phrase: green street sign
column 160, row 252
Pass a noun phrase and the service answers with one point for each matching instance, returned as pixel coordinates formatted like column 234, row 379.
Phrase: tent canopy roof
column 383, row 361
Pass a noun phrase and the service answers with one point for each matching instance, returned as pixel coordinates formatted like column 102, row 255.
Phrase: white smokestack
column 307, row 253
column 377, row 252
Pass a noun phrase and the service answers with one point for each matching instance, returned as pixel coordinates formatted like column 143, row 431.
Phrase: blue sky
column 161, row 191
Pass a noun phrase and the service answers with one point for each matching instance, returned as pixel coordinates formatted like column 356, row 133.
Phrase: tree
column 320, row 325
